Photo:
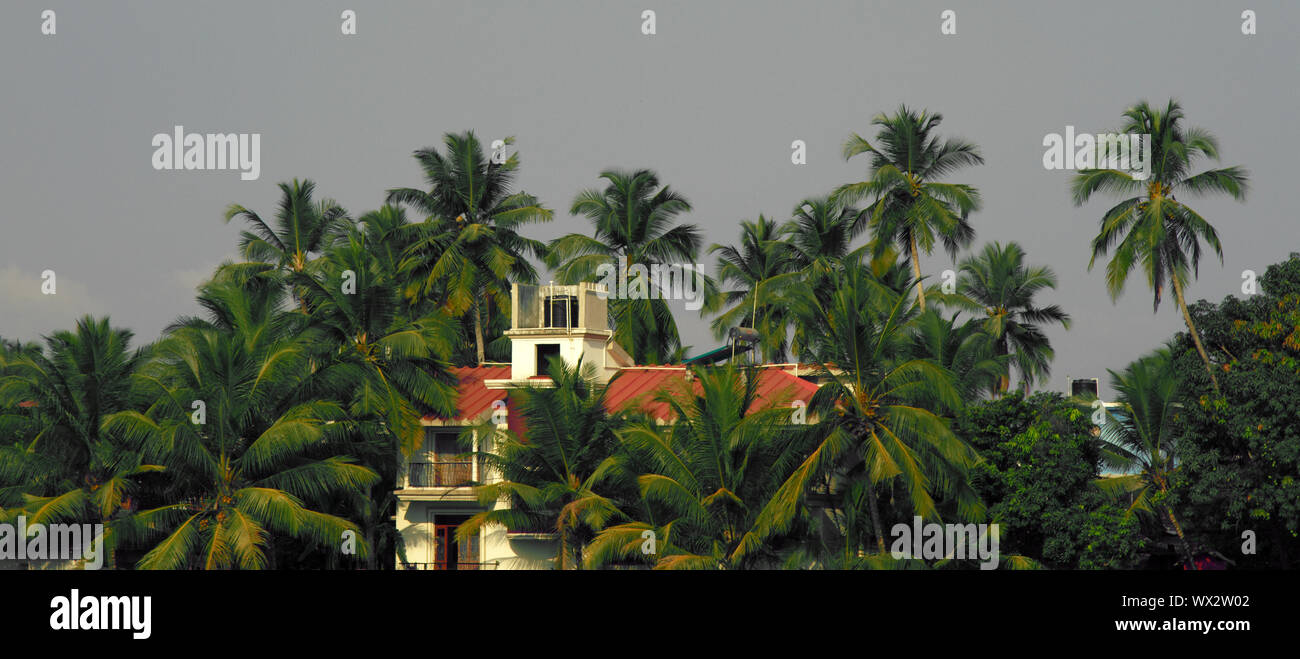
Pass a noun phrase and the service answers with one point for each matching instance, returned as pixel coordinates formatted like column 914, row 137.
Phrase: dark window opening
column 560, row 311
column 545, row 352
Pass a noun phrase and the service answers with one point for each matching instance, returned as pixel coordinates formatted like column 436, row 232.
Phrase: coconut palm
column 384, row 365
column 470, row 249
column 68, row 469
column 877, row 422
column 710, row 473
column 909, row 206
column 758, row 262
column 998, row 280
column 1139, row 441
column 820, row 236
column 303, row 228
column 633, row 218
column 553, row 480
column 966, row 350
column 1150, row 228
column 247, row 449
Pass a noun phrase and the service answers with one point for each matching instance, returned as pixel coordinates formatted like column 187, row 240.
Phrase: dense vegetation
column 261, row 432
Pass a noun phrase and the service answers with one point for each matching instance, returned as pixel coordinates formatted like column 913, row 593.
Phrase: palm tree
column 554, row 478
column 877, row 423
column 633, row 218
column 70, row 469
column 965, row 350
column 710, row 473
column 760, row 258
column 386, row 366
column 910, row 207
column 821, row 233
column 1139, row 441
column 303, row 228
column 999, row 282
column 1149, row 227
column 249, row 468
column 470, row 249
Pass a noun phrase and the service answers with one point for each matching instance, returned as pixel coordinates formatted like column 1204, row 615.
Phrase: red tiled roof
column 634, row 389
column 636, row 386
column 473, row 399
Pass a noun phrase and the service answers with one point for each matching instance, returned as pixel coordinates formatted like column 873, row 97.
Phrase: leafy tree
column 1150, row 228
column 1039, row 462
column 1240, row 456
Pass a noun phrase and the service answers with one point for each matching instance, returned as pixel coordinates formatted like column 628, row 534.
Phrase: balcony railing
column 451, row 473
column 450, row 565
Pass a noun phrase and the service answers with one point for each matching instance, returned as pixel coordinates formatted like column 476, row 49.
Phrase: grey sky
column 711, row 102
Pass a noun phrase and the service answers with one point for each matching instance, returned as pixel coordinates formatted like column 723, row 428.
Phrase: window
column 449, row 553
column 545, row 352
column 560, row 311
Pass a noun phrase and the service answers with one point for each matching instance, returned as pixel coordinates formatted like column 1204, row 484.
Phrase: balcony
column 448, row 473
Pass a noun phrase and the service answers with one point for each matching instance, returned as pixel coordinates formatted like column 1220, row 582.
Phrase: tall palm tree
column 909, row 205
column 386, row 365
column 710, row 473
column 998, row 280
column 1150, row 228
column 250, row 468
column 303, row 228
column 747, row 269
column 633, row 217
column 1139, row 441
column 554, row 478
column 69, row 469
column 470, row 250
column 877, row 422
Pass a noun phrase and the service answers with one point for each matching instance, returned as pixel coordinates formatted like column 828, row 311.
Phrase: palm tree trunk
column 916, row 270
column 875, row 517
column 478, row 330
column 564, row 549
column 1182, row 539
column 1196, row 338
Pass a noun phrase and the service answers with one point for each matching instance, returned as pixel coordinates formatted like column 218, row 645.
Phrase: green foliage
column 632, row 217
column 1241, row 455
column 1039, row 460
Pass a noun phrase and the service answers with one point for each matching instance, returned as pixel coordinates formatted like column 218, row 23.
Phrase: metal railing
column 451, row 473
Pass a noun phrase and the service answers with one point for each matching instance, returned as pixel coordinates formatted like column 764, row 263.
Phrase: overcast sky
column 711, row 102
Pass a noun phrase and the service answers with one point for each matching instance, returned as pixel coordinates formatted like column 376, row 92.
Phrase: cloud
column 27, row 314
